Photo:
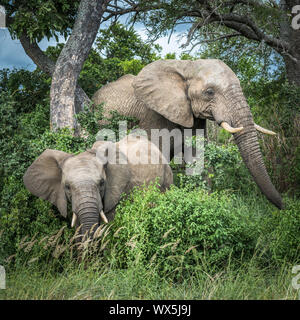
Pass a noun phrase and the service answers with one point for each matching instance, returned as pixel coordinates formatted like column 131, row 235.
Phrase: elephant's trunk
column 248, row 144
column 86, row 206
column 251, row 154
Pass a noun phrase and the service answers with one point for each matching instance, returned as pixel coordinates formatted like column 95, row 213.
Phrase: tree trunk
column 293, row 70
column 70, row 62
column 291, row 36
column 47, row 65
column 292, row 63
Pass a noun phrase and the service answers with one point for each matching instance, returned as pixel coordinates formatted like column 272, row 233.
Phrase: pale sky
column 12, row 54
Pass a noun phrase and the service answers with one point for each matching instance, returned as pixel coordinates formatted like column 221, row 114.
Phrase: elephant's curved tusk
column 263, row 130
column 230, row 129
column 74, row 219
column 103, row 217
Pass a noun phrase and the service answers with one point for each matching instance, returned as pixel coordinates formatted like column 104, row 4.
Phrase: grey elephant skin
column 169, row 94
column 91, row 183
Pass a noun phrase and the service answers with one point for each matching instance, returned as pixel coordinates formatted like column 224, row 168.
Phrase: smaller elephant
column 92, row 182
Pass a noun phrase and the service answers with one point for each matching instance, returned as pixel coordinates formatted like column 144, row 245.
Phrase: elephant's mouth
column 202, row 113
column 87, row 220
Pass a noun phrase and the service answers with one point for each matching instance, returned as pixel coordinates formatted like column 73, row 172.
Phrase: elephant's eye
column 101, row 183
column 67, row 186
column 209, row 92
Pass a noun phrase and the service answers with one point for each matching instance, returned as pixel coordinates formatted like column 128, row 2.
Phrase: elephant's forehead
column 213, row 71
column 82, row 163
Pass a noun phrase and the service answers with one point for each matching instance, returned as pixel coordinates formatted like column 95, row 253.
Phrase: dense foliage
column 40, row 19
column 177, row 231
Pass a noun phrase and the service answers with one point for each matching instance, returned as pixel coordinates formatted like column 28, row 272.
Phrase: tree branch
column 48, row 66
column 247, row 28
column 225, row 36
column 37, row 55
column 117, row 11
column 252, row 3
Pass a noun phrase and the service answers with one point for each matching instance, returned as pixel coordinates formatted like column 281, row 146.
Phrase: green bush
column 24, row 216
column 89, row 121
column 180, row 229
column 183, row 230
column 27, row 88
column 283, row 230
column 223, row 169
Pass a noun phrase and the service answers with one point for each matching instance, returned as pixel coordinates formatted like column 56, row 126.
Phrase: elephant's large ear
column 43, row 178
column 161, row 85
column 117, row 172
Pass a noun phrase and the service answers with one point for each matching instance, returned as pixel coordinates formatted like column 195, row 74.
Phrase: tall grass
column 99, row 281
column 57, row 267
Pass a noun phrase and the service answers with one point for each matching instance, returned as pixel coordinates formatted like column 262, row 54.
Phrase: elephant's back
column 113, row 89
column 119, row 96
column 146, row 162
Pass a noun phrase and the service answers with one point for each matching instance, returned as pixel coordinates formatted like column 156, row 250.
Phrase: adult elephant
column 183, row 94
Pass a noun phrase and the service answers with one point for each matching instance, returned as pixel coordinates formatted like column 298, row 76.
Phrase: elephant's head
column 92, row 185
column 208, row 89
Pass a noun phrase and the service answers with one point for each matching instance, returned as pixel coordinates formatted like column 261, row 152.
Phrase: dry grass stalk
column 117, row 232
column 189, row 249
column 168, row 232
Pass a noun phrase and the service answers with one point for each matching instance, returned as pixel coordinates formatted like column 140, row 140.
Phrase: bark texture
column 70, row 62
column 47, row 65
column 291, row 36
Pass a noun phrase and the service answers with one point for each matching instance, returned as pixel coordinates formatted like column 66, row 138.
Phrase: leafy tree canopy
column 39, row 18
column 120, row 42
column 263, row 26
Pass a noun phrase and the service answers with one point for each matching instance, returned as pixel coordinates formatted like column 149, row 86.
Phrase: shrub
column 184, row 230
column 89, row 121
column 27, row 88
column 223, row 169
column 181, row 228
column 282, row 231
column 23, row 215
